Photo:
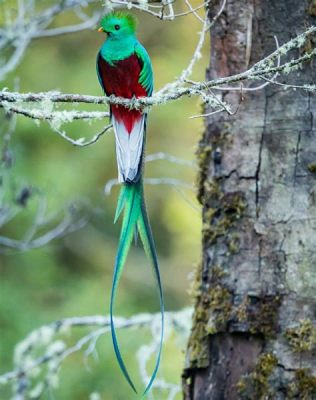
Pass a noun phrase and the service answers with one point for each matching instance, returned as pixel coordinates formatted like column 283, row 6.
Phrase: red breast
column 121, row 79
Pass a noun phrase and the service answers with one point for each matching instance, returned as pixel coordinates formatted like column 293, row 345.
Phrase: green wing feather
column 146, row 74
column 135, row 217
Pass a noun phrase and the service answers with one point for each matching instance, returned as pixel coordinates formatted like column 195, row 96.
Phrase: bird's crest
column 128, row 19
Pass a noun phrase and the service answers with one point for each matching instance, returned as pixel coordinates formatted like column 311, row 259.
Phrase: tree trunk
column 253, row 334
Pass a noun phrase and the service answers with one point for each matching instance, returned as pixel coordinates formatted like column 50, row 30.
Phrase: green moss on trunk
column 256, row 385
column 312, row 167
column 303, row 386
column 302, row 337
column 212, row 313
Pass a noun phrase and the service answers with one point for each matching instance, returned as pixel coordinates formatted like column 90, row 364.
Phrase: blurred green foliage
column 72, row 276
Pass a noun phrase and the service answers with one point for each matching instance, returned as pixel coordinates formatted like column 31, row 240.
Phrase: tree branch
column 262, row 69
column 42, row 349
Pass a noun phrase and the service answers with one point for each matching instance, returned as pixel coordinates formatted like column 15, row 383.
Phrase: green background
column 72, row 276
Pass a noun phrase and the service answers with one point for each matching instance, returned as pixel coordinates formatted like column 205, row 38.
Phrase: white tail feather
column 129, row 148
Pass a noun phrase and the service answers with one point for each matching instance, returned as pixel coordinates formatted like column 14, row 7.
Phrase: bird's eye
column 116, row 27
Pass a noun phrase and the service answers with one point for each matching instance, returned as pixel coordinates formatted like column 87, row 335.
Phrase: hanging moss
column 256, row 385
column 302, row 337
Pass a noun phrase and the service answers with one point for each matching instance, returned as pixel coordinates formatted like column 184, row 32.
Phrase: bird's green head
column 118, row 24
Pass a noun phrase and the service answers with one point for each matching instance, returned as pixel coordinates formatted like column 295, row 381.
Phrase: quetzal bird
column 124, row 70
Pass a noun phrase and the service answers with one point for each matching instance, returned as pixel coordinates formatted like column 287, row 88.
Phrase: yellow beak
column 100, row 30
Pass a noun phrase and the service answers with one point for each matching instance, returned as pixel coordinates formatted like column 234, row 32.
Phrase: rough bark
column 253, row 334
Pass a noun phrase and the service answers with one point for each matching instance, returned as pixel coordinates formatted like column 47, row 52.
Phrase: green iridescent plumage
column 128, row 21
column 121, row 50
column 123, row 43
column 135, row 219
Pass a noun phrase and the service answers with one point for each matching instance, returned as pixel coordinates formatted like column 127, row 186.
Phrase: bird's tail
column 135, row 219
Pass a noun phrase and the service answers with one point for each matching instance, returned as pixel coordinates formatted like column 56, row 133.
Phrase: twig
column 55, row 352
column 81, row 142
column 169, row 157
column 56, row 115
column 150, row 181
column 62, row 229
column 88, row 24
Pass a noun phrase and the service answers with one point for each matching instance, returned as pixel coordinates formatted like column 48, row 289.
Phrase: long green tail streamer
column 131, row 200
